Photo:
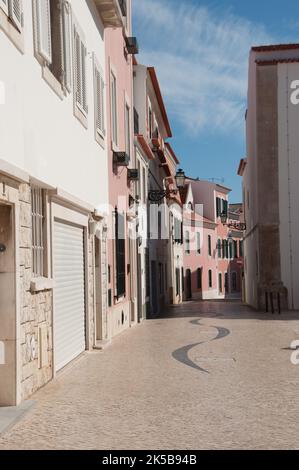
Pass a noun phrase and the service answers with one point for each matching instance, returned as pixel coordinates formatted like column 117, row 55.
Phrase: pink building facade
column 212, row 250
column 120, row 138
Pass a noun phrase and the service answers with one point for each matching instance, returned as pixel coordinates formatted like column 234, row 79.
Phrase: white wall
column 38, row 132
column 288, row 141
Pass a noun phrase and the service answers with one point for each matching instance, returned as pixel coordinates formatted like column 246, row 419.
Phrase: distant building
column 207, row 255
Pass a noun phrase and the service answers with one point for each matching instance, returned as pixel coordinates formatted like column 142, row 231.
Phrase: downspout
column 289, row 195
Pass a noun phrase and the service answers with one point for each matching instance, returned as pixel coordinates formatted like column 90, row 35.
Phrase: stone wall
column 35, row 310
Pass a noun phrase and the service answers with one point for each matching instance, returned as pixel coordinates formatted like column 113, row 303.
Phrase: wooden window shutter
column 15, row 12
column 84, row 78
column 67, row 59
column 43, row 17
column 78, row 69
column 99, row 98
column 4, row 5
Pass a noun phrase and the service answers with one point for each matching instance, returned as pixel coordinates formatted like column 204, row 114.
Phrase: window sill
column 52, row 82
column 119, row 300
column 80, row 116
column 16, row 37
column 40, row 284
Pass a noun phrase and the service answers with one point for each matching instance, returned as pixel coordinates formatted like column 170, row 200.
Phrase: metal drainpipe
column 289, row 196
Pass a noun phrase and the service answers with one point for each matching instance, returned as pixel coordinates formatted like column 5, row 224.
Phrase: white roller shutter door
column 69, row 295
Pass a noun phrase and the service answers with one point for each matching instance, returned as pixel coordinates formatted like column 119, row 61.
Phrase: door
column 8, row 314
column 189, row 284
column 154, row 293
column 69, row 294
column 140, row 281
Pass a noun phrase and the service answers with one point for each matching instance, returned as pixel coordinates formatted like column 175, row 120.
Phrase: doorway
column 154, row 293
column 8, row 314
column 188, row 284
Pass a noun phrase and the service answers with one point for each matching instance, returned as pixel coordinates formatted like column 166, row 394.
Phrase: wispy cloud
column 201, row 58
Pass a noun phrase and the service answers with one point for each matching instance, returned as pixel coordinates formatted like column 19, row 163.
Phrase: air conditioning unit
column 133, row 174
column 132, row 45
column 121, row 158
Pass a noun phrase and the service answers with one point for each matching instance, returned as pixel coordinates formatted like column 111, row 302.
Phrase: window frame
column 99, row 101
column 39, row 232
column 113, row 107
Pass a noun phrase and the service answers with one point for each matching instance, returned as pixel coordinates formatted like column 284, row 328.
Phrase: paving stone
column 141, row 393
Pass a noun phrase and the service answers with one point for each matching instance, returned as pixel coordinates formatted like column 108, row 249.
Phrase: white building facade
column 53, row 188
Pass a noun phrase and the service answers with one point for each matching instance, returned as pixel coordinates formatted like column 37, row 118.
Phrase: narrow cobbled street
column 207, row 375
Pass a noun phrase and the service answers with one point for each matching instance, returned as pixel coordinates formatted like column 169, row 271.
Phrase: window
column 120, row 244
column 199, row 278
column 13, row 9
column 220, row 282
column 226, row 249
column 177, row 231
column 187, row 240
column 223, row 249
column 99, row 107
column 198, row 241
column 225, row 207
column 53, row 38
column 183, row 283
column 80, row 84
column 210, row 278
column 209, row 245
column 241, row 251
column 38, row 232
column 218, row 206
column 150, row 121
column 235, row 249
column 177, row 281
column 231, row 249
column 113, row 97
column 219, row 248
column 127, row 131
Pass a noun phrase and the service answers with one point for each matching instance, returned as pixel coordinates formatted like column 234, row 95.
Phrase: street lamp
column 180, row 178
column 240, row 226
column 156, row 195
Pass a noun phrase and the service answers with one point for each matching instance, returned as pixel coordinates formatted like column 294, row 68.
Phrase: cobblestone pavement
column 167, row 384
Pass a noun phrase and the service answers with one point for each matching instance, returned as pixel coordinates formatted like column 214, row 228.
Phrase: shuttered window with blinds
column 80, row 85
column 52, row 21
column 13, row 9
column 99, row 87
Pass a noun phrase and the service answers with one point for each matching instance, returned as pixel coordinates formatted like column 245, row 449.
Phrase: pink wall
column 202, row 260
column 122, row 68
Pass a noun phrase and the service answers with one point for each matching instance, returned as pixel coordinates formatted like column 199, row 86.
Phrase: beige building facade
column 270, row 179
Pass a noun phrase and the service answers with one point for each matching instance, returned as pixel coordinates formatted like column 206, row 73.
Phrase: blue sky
column 200, row 51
